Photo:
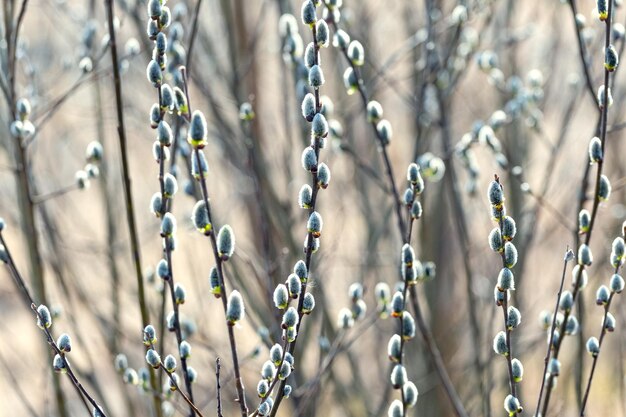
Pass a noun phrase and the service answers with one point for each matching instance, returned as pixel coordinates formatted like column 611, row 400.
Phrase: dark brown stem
column 130, row 211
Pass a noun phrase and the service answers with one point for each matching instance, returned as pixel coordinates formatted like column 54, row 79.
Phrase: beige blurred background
column 238, row 58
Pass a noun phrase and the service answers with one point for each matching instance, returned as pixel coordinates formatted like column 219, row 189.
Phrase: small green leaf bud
column 316, row 76
column 572, row 326
column 323, row 175
column 617, row 283
column 174, row 382
column 409, row 392
column 382, row 292
column 341, row 39
column 59, row 364
column 394, row 350
column 585, row 256
column 315, row 224
column 350, row 81
column 290, row 334
column 384, row 131
column 593, row 346
column 159, row 152
column 506, row 280
column 82, row 180
column 170, row 185
column 290, row 318
column 121, row 362
column 168, row 225
column 294, row 286
column 276, row 354
column 602, row 295
column 200, row 218
column 584, row 219
column 262, row 388
column 396, row 409
column 64, row 343
column 149, row 335
column 308, row 107
column 602, row 100
column 408, row 255
column 512, row 405
column 604, row 189
column 180, row 101
column 359, row 308
column 322, row 34
column 309, row 159
column 179, row 294
column 169, row 363
column 235, row 310
column 566, row 301
column 416, row 210
column 595, row 150
column 214, row 282
column 618, row 248
column 281, row 297
column 319, row 126
column 130, row 376
column 94, row 152
column 397, row 304
column 509, row 229
column 356, row 53
column 495, row 194
column 408, row 197
column 305, row 196
column 226, row 242
column 495, row 240
column 197, row 136
column 308, row 304
column 44, row 319
column 184, row 350
column 374, row 114
column 155, row 116
column 518, row 370
column 153, row 359
column 167, row 98
column 285, row 371
column 199, row 170
column 163, row 270
column 398, row 376
column 510, row 255
column 264, row 409
column 498, row 296
column 611, row 59
column 308, row 13
column 408, row 326
column 300, row 270
column 345, row 319
column 513, row 318
column 192, row 374
column 164, row 133
column 154, row 9
column 499, row 344
column 246, row 112
column 582, row 280
column 609, row 323
column 311, row 56
column 154, row 74
column 603, row 9
column 23, row 109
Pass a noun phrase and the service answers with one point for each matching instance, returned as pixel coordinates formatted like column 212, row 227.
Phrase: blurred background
column 472, row 88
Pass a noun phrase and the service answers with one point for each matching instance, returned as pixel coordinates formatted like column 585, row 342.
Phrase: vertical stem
column 130, row 211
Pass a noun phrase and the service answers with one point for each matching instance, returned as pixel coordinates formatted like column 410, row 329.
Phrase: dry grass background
column 360, row 242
